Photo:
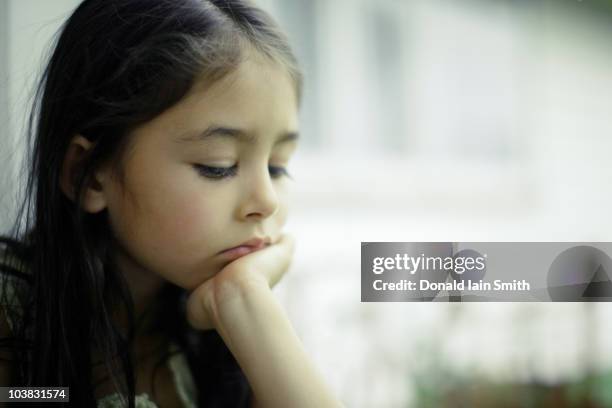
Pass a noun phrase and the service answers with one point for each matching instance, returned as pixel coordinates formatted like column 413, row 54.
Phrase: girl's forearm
column 257, row 331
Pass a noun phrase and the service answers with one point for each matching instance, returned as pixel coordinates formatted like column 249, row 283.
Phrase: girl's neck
column 145, row 288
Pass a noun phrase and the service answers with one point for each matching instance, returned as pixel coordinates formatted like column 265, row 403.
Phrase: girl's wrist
column 231, row 298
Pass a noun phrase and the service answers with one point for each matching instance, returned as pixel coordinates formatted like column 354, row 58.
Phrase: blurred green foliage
column 456, row 392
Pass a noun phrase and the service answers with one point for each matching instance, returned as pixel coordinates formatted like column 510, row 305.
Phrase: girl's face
column 206, row 175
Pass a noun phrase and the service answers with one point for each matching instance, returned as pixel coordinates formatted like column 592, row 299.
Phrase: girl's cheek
column 280, row 219
column 190, row 216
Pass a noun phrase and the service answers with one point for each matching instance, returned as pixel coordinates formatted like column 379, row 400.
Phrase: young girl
column 140, row 268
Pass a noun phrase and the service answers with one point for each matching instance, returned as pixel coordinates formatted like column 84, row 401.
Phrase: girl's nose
column 260, row 196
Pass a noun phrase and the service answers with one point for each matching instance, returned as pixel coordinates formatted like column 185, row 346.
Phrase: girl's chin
column 209, row 273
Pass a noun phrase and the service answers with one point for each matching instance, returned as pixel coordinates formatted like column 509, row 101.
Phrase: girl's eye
column 225, row 172
column 278, row 172
column 216, row 172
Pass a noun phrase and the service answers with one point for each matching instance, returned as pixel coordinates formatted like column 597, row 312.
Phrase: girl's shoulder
column 13, row 259
column 15, row 281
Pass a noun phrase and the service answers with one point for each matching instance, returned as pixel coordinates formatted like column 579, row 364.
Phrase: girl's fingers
column 285, row 249
column 271, row 262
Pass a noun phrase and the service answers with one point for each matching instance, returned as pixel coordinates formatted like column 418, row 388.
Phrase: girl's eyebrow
column 233, row 133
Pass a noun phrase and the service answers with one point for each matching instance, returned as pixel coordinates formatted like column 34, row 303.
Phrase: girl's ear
column 94, row 199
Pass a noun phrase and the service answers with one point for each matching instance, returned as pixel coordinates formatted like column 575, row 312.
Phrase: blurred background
column 423, row 120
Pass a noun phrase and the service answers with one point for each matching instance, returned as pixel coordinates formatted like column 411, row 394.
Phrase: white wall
column 29, row 26
column 6, row 173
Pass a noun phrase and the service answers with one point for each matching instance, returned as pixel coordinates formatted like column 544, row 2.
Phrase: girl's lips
column 237, row 252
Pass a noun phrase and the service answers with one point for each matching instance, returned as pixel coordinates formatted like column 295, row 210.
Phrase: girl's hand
column 264, row 267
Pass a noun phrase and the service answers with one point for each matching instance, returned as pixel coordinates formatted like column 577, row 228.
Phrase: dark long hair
column 115, row 65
